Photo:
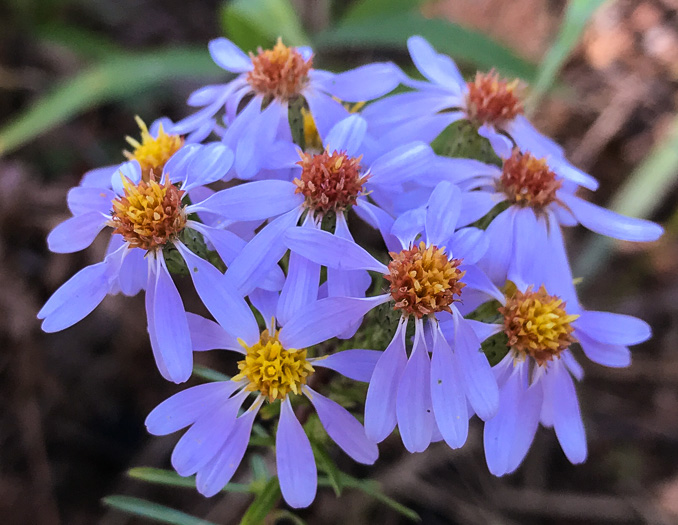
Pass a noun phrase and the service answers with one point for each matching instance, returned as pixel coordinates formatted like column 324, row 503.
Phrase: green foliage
column 639, row 196
column 373, row 489
column 366, row 9
column 208, row 374
column 461, row 139
column 117, row 78
column 253, row 23
column 152, row 511
column 577, row 15
column 328, row 467
column 391, row 30
column 170, row 478
column 266, row 499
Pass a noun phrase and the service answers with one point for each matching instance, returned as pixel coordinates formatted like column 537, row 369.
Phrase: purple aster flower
column 540, row 200
column 149, row 215
column 275, row 366
column 425, row 396
column 535, row 377
column 490, row 102
column 275, row 77
column 329, row 182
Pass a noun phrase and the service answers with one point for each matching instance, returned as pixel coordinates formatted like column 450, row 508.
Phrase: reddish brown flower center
column 537, row 324
column 492, row 99
column 149, row 214
column 423, row 280
column 280, row 72
column 330, row 182
column 528, row 181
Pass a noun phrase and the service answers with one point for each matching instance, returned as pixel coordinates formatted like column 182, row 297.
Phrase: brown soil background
column 72, row 404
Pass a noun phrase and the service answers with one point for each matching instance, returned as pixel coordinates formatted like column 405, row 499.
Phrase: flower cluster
column 250, row 196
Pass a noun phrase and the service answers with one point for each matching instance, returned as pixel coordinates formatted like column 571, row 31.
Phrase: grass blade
column 252, row 23
column 392, row 31
column 639, row 196
column 114, row 79
column 208, row 374
column 577, row 14
column 170, row 478
column 152, row 511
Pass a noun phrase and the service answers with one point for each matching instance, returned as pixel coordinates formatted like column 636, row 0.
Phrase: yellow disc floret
column 152, row 152
column 423, row 280
column 271, row 369
column 537, row 324
column 149, row 214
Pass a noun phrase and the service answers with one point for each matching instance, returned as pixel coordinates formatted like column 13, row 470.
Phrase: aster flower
column 536, row 375
column 490, row 102
column 149, row 215
column 275, row 367
column 424, row 395
column 539, row 200
column 325, row 183
column 277, row 77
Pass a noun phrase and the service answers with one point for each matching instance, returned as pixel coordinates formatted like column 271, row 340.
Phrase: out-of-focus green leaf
column 114, row 79
column 371, row 488
column 259, row 469
column 326, row 465
column 152, row 511
column 253, row 23
column 392, row 32
column 639, row 196
column 577, row 15
column 160, row 476
column 85, row 43
column 288, row 516
column 208, row 374
column 263, row 503
column 365, row 9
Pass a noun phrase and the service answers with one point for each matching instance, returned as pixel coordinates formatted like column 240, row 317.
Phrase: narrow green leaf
column 208, row 374
column 259, row 469
column 80, row 41
column 326, row 465
column 577, row 15
column 152, row 511
column 639, row 196
column 372, row 489
column 263, row 503
column 170, row 478
column 289, row 516
column 253, row 23
column 365, row 9
column 114, row 79
column 392, row 31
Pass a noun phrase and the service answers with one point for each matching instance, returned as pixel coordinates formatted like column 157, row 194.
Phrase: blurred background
column 74, row 73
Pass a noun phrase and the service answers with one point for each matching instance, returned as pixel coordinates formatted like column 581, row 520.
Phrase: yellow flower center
column 537, row 324
column 280, row 72
column 273, row 370
column 149, row 214
column 423, row 280
column 492, row 99
column 528, row 181
column 152, row 152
